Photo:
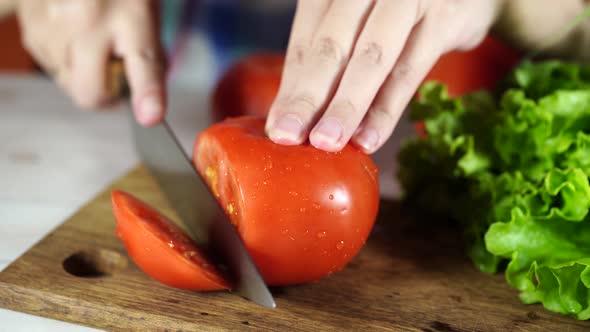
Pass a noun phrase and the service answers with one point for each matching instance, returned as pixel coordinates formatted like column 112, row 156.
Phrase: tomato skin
column 248, row 87
column 160, row 248
column 303, row 213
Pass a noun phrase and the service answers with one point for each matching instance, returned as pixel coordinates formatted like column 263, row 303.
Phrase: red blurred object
column 249, row 86
column 476, row 69
column 13, row 57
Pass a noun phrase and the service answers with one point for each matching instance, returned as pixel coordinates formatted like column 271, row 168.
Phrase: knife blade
column 201, row 215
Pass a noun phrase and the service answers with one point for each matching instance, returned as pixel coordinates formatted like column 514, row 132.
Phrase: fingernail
column 287, row 129
column 328, row 132
column 367, row 139
column 150, row 110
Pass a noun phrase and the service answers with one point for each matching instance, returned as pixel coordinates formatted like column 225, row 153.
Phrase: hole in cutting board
column 94, row 263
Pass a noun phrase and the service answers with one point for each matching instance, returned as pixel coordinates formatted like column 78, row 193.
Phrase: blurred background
column 201, row 37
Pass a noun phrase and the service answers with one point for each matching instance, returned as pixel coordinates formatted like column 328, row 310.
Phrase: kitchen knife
column 200, row 214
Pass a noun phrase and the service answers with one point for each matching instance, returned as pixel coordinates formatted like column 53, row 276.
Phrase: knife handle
column 117, row 85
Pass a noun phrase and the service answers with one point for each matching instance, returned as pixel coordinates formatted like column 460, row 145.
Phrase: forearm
column 534, row 24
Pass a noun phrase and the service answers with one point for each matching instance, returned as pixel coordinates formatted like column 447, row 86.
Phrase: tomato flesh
column 303, row 213
column 160, row 248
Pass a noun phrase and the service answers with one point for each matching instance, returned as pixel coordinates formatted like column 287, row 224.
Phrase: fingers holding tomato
column 354, row 65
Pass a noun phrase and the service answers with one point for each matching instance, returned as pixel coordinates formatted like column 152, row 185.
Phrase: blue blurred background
column 203, row 37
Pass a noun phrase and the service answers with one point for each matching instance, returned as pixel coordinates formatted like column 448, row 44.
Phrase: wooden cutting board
column 402, row 280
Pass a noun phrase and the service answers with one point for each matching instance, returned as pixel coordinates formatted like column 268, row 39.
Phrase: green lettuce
column 511, row 166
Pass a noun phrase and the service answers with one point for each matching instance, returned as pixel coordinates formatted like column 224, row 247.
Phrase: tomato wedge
column 161, row 249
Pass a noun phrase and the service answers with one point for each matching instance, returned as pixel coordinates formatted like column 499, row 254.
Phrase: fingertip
column 328, row 135
column 325, row 146
column 150, row 109
column 367, row 139
column 286, row 130
column 89, row 100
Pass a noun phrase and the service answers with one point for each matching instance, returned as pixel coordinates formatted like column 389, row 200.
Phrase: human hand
column 74, row 40
column 352, row 66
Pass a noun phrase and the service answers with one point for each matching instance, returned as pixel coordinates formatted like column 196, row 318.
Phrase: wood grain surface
column 404, row 279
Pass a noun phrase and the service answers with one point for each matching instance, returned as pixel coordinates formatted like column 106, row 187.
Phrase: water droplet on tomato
column 331, row 197
column 171, row 244
column 340, row 245
column 292, row 238
column 230, row 208
column 302, row 210
column 322, row 234
column 293, row 193
column 316, row 206
column 268, row 165
column 284, row 231
column 306, row 165
column 288, row 169
column 343, row 210
column 190, row 254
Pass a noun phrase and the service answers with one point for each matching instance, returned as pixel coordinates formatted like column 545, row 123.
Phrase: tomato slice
column 161, row 249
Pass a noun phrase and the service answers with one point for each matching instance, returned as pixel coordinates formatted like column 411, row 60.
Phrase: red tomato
column 160, row 248
column 303, row 213
column 479, row 68
column 249, row 86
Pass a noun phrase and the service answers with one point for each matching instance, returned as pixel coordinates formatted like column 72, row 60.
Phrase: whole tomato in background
column 302, row 213
column 479, row 68
column 248, row 86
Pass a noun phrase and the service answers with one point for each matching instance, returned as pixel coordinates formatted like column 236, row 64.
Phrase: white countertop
column 54, row 158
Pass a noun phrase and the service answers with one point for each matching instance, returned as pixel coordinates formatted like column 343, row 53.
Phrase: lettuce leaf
column 512, row 167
